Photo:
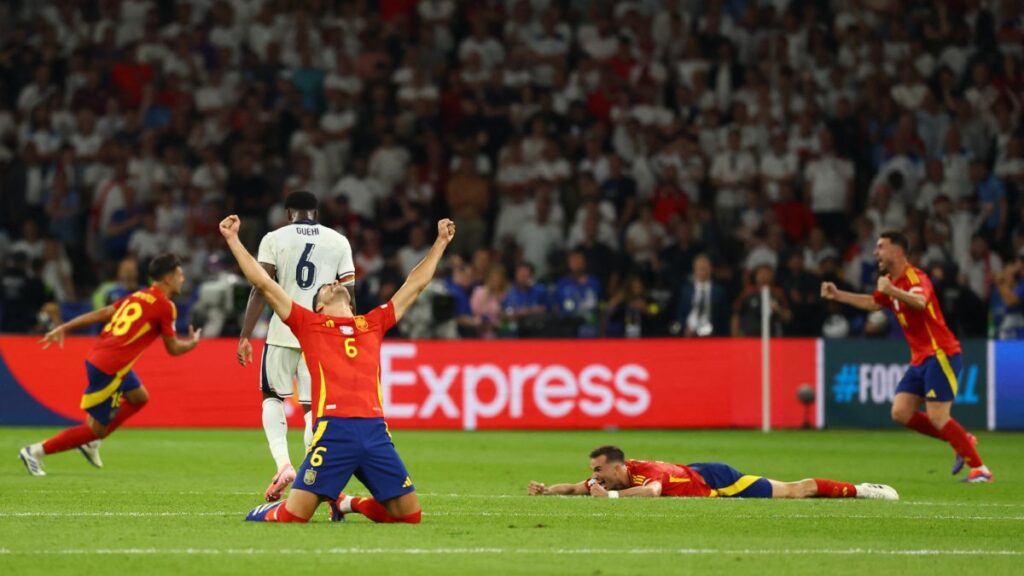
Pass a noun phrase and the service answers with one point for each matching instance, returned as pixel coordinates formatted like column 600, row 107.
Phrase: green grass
column 173, row 502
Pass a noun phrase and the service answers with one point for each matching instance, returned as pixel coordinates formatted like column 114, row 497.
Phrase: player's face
column 176, row 280
column 611, row 475
column 334, row 293
column 883, row 255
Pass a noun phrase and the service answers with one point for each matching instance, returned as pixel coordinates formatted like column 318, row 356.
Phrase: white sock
column 276, row 427
column 36, row 450
column 345, row 505
column 307, row 435
column 982, row 468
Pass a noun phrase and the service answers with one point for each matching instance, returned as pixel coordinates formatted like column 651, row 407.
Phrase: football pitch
column 172, row 501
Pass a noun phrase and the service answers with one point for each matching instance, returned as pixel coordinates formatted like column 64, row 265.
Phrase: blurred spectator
column 1008, row 301
column 830, row 188
column 124, row 283
column 459, row 285
column 23, row 295
column 469, row 196
column 746, row 316
column 486, row 303
column 577, row 295
column 981, row 268
column 703, row 308
column 525, row 303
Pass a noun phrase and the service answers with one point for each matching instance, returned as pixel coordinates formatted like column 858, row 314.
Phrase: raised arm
column 271, row 290
column 863, row 301
column 89, row 318
column 253, row 310
column 423, row 273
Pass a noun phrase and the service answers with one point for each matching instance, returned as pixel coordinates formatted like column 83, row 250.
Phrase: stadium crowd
column 615, row 168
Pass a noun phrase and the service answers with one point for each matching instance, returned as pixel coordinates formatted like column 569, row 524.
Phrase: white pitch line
column 484, row 513
column 510, row 551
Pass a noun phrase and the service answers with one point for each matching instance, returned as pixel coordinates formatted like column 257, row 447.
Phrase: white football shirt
column 307, row 255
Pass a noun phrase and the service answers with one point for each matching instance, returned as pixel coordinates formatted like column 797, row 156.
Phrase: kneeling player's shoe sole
column 32, row 464
column 284, row 477
column 979, row 477
column 877, row 492
column 91, row 451
column 958, row 463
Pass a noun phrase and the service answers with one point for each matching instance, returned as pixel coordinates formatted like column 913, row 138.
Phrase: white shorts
column 280, row 368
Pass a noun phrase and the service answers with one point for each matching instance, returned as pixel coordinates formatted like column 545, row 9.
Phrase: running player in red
column 342, row 352
column 935, row 352
column 613, row 476
column 114, row 392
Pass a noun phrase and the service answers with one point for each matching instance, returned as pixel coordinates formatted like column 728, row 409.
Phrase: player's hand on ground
column 598, row 491
column 229, row 226
column 884, row 285
column 445, row 230
column 55, row 335
column 244, row 352
column 829, row 290
column 536, row 488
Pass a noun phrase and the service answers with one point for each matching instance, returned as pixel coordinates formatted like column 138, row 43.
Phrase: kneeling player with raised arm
column 615, row 477
column 342, row 353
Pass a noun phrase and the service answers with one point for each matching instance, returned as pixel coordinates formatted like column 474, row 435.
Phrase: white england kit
column 307, row 255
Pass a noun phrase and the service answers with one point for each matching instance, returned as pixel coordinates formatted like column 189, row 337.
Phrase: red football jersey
column 343, row 356
column 926, row 329
column 139, row 318
column 675, row 479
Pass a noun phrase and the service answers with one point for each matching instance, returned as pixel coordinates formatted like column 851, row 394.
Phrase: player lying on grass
column 616, row 477
column 935, row 352
column 342, row 352
column 114, row 392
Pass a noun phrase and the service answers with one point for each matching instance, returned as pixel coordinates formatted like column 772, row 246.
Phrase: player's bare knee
column 901, row 415
column 100, row 430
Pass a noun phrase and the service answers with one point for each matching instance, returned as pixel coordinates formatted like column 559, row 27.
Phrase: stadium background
column 590, row 152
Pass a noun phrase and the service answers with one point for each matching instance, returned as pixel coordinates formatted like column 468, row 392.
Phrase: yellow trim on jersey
column 380, row 391
column 947, row 369
column 323, row 392
column 914, row 279
column 321, row 427
column 98, row 397
column 740, row 485
column 145, row 328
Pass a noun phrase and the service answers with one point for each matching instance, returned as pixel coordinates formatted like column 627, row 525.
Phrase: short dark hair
column 162, row 265
column 897, row 239
column 301, row 200
column 611, row 453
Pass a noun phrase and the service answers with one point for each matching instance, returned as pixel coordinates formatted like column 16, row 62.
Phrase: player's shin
column 375, row 511
column 276, row 428
column 834, row 489
column 124, row 412
column 70, row 438
column 960, row 440
column 920, row 423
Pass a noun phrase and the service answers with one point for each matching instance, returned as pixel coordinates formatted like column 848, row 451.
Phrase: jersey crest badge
column 361, row 324
column 309, row 477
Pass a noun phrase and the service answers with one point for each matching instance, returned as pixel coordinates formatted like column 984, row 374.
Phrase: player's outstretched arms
column 863, row 301
column 649, row 490
column 540, row 489
column 89, row 318
column 177, row 346
column 423, row 273
column 253, row 310
column 271, row 290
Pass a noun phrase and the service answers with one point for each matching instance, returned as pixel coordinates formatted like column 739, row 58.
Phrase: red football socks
column 375, row 511
column 920, row 422
column 957, row 437
column 124, row 412
column 77, row 435
column 834, row 489
column 281, row 514
column 71, row 438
